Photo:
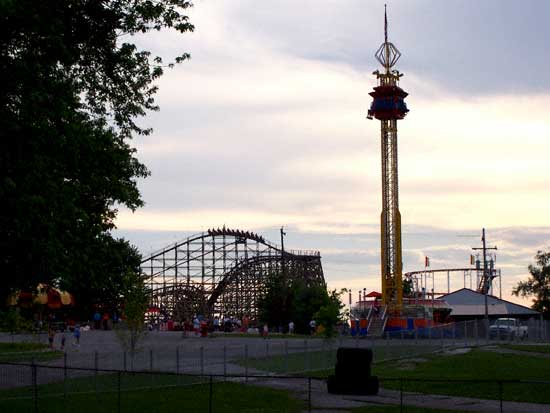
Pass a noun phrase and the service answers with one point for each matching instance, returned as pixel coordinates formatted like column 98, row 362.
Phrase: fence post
column 177, row 360
column 65, row 376
column 34, row 381
column 309, row 394
column 401, row 395
column 151, row 367
column 224, row 361
column 306, row 348
column 246, row 363
column 202, row 359
column 454, row 333
column 286, row 356
column 118, row 393
column 500, row 394
column 96, row 368
column 210, row 395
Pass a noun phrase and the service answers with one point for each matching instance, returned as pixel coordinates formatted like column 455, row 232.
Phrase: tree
column 330, row 314
column 73, row 88
column 132, row 328
column 288, row 300
column 538, row 284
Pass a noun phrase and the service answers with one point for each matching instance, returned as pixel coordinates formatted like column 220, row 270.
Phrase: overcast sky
column 266, row 126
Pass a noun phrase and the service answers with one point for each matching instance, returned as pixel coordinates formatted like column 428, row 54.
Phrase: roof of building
column 466, row 302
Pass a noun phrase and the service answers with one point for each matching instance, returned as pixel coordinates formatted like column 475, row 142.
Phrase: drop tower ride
column 388, row 106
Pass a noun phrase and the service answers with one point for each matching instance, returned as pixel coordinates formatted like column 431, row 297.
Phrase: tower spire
column 387, row 54
column 385, row 25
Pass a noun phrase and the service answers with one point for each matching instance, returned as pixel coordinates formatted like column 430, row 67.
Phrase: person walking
column 51, row 336
column 291, row 327
column 76, row 335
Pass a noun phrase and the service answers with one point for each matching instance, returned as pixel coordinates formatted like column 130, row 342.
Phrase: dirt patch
column 455, row 351
column 410, row 364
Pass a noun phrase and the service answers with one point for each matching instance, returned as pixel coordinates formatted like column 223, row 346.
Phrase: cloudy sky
column 265, row 126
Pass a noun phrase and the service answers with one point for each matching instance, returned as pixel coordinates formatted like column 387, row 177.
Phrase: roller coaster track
column 222, row 272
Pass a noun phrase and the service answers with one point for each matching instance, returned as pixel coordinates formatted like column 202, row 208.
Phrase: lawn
column 406, row 409
column 478, row 365
column 532, row 348
column 146, row 393
column 321, row 363
column 18, row 352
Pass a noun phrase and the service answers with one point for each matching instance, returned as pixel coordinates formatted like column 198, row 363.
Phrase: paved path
column 162, row 346
column 323, row 401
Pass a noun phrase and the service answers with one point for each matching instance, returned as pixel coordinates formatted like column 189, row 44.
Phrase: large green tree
column 538, row 284
column 286, row 300
column 74, row 85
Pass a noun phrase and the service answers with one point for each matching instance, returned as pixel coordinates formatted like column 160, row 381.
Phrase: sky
column 265, row 126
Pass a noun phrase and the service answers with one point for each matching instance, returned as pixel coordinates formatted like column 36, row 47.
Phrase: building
column 468, row 304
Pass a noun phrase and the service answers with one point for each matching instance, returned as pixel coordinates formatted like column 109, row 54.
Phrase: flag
column 426, row 262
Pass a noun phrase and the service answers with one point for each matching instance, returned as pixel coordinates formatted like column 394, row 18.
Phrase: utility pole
column 486, row 279
column 283, row 233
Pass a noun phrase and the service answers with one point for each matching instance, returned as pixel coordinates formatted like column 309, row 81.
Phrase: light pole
column 485, row 280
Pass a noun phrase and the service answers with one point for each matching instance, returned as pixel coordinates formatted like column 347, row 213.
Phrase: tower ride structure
column 388, row 106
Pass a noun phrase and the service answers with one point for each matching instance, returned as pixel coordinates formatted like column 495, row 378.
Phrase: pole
column 283, row 233
column 210, row 395
column 34, row 381
column 486, row 280
column 485, row 286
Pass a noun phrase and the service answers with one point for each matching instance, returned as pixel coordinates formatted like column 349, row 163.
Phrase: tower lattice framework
column 388, row 106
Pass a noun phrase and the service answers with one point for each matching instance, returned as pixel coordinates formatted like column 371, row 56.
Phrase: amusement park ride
column 388, row 107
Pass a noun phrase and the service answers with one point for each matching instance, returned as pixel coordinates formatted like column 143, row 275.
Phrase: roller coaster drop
column 222, row 272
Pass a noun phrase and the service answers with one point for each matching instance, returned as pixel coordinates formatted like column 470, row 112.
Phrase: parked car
column 508, row 328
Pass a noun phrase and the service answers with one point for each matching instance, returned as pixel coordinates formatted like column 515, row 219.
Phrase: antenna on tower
column 387, row 54
column 385, row 25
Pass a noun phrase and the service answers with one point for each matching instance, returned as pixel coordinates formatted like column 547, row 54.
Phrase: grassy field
column 17, row 352
column 406, row 409
column 532, row 348
column 478, row 365
column 146, row 393
column 321, row 362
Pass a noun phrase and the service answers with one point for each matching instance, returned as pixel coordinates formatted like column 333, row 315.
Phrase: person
column 51, row 336
column 312, row 325
column 76, row 335
column 291, row 327
column 105, row 321
column 196, row 325
column 63, row 340
column 265, row 331
column 216, row 323
column 97, row 320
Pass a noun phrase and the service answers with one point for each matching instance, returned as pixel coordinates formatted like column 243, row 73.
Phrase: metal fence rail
column 116, row 389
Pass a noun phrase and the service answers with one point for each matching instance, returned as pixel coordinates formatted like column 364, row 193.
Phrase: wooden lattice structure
column 222, row 272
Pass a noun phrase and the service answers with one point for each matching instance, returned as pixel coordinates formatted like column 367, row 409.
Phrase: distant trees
column 538, row 284
column 293, row 300
column 73, row 86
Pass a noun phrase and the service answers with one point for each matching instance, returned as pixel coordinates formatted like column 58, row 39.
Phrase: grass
column 477, row 365
column 532, row 348
column 397, row 409
column 149, row 393
column 18, row 352
column 321, row 363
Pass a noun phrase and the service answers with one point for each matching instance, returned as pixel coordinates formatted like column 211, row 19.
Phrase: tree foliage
column 331, row 313
column 132, row 329
column 538, row 284
column 292, row 300
column 74, row 85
